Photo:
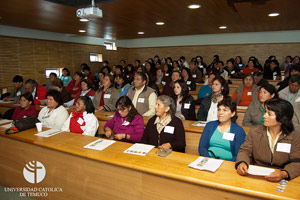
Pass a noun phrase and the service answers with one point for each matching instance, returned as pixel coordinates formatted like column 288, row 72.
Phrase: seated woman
column 74, row 85
column 222, row 138
column 168, row 89
column 127, row 124
column 255, row 113
column 54, row 114
column 122, row 85
column 209, row 105
column 82, row 120
column 251, row 68
column 107, row 95
column 164, row 130
column 57, row 84
column 66, row 78
column 26, row 109
column 247, row 92
column 184, row 102
column 274, row 144
column 190, row 81
column 206, row 90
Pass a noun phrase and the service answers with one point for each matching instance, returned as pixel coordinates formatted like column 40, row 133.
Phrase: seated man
column 18, row 89
column 292, row 92
column 52, row 77
column 142, row 96
column 36, row 90
column 259, row 79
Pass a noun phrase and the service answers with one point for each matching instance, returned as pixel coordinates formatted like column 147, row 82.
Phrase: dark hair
column 221, row 62
column 143, row 75
column 270, row 88
column 56, row 96
column 228, row 102
column 184, row 87
column 66, row 69
column 258, row 74
column 241, row 60
column 106, row 67
column 28, row 96
column 295, row 78
column 295, row 67
column 88, row 82
column 123, row 61
column 212, row 73
column 105, row 61
column 53, row 74
column 17, row 79
column 86, row 67
column 31, row 82
column 284, row 113
column 89, row 107
column 230, row 60
column 182, row 57
column 187, row 70
column 248, row 75
column 138, row 61
column 122, row 76
column 125, row 102
column 225, row 90
column 275, row 62
column 176, row 71
column 57, row 82
column 120, row 68
column 111, row 79
column 78, row 74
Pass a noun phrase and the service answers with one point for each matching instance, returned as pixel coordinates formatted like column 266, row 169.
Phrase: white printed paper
column 199, row 123
column 283, row 147
column 4, row 127
column 169, row 129
column 209, row 164
column 259, row 171
column 2, row 121
column 228, row 136
column 1, row 101
column 48, row 133
column 141, row 100
column 106, row 96
column 139, row 149
column 99, row 144
column 242, row 107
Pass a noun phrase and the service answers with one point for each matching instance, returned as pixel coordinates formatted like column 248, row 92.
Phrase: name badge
column 166, row 74
column 141, row 100
column 201, row 66
column 169, row 129
column 228, row 136
column 283, row 147
column 188, row 82
column 194, row 76
column 187, row 106
column 240, row 65
column 65, row 78
column 249, row 93
column 125, row 123
column 232, row 72
column 107, row 96
column 163, row 83
column 80, row 121
column 127, row 76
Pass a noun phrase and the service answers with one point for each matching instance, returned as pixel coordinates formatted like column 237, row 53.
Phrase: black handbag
column 23, row 124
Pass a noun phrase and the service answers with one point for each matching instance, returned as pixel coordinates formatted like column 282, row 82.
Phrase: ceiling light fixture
column 82, row 31
column 140, row 33
column 194, row 6
column 84, row 20
column 273, row 14
column 160, row 23
column 222, row 27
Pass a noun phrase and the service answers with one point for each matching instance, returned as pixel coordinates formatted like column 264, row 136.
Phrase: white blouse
column 55, row 119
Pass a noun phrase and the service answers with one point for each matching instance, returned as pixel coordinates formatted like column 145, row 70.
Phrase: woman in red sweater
column 26, row 109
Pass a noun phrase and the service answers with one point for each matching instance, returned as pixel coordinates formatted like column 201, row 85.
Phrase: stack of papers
column 199, row 123
column 48, row 133
column 259, row 171
column 4, row 127
column 139, row 149
column 99, row 144
column 209, row 164
column 3, row 121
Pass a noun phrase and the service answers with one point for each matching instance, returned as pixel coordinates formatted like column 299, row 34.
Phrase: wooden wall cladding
column 261, row 51
column 30, row 57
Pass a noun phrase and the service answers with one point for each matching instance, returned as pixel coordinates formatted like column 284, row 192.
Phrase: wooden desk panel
column 111, row 174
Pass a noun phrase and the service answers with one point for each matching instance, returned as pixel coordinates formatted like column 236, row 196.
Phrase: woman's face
column 229, row 65
column 248, row 81
column 84, row 86
column 217, row 87
column 101, row 76
column 65, row 73
column 159, row 73
column 79, row 106
column 296, row 60
column 120, row 81
column 51, row 103
column 175, row 65
column 225, row 114
column 106, row 82
column 175, row 76
column 148, row 67
column 140, row 69
column 166, row 68
column 270, row 119
column 288, row 59
column 76, row 77
column 210, row 79
column 105, row 70
column 24, row 103
column 264, row 95
column 237, row 59
column 123, row 111
column 160, row 108
column 177, row 89
column 184, row 73
column 250, row 64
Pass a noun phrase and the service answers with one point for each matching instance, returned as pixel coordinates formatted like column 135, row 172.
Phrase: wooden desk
column 112, row 174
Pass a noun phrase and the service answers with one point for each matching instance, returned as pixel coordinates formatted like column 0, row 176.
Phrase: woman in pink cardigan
column 127, row 124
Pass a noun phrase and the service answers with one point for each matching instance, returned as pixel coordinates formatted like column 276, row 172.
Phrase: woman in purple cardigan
column 127, row 124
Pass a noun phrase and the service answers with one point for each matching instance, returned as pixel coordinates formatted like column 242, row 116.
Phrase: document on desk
column 199, row 123
column 259, row 171
column 209, row 164
column 4, row 127
column 242, row 107
column 99, row 144
column 48, row 133
column 2, row 121
column 139, row 149
column 1, row 101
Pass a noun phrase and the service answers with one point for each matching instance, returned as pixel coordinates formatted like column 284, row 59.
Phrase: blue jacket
column 208, row 131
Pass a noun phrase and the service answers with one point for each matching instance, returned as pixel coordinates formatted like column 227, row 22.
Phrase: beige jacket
column 110, row 99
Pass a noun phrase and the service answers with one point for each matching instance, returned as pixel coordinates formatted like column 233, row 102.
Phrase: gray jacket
column 112, row 95
column 14, row 93
column 253, row 114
